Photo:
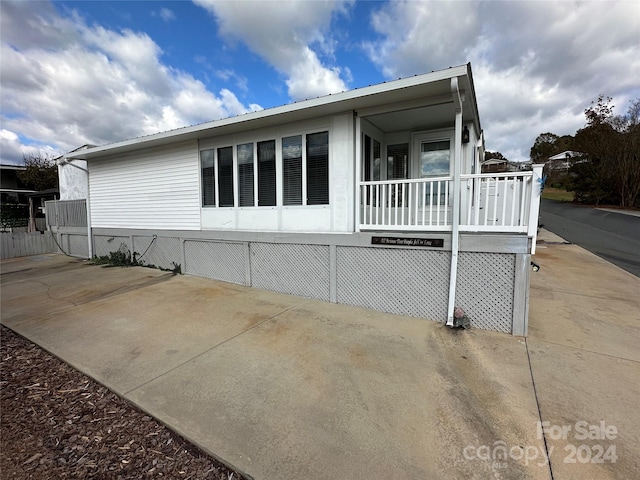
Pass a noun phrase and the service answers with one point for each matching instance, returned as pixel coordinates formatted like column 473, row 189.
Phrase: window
column 245, row 175
column 267, row 173
column 367, row 158
column 376, row 160
column 292, row 170
column 225, row 176
column 371, row 156
column 305, row 172
column 434, row 158
column 318, row 168
column 397, row 164
column 208, row 178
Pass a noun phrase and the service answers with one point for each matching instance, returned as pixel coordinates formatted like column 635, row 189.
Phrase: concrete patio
column 282, row 387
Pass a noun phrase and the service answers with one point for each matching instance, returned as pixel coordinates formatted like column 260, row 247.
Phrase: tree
column 543, row 147
column 489, row 155
column 549, row 144
column 41, row 172
column 611, row 144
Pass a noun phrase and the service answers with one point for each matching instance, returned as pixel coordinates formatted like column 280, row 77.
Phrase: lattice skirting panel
column 105, row 244
column 163, row 252
column 75, row 245
column 218, row 260
column 405, row 282
column 291, row 268
column 484, row 289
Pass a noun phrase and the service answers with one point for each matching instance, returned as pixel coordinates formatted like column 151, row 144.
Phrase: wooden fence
column 24, row 244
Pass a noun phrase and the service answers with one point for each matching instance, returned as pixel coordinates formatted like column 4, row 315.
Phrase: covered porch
column 419, row 169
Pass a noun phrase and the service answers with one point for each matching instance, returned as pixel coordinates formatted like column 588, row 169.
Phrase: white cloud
column 167, row 15
column 12, row 152
column 96, row 86
column 537, row 65
column 283, row 33
column 421, row 36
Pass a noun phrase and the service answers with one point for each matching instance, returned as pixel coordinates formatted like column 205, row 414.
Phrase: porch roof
column 398, row 92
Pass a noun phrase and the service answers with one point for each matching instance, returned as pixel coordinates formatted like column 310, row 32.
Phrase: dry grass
column 557, row 194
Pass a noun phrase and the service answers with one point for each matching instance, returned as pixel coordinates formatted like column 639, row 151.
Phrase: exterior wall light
column 465, row 135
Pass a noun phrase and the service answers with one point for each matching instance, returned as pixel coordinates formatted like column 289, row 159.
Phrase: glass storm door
column 434, row 161
column 435, row 158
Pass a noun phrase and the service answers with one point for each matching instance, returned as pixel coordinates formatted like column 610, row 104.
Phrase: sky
column 92, row 72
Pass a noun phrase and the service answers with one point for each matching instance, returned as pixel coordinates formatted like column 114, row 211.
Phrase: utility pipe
column 455, row 221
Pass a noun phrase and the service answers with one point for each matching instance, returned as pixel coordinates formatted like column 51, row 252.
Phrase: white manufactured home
column 371, row 197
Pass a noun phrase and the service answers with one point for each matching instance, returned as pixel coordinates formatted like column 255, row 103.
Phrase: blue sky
column 97, row 72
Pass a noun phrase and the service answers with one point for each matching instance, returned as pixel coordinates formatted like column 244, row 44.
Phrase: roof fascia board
column 352, row 96
column 472, row 98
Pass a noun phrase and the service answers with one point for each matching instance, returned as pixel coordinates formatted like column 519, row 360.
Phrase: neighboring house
column 14, row 200
column 563, row 161
column 495, row 165
column 527, row 165
column 12, row 190
column 366, row 197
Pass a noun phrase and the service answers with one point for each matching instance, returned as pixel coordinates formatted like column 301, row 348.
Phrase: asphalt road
column 610, row 235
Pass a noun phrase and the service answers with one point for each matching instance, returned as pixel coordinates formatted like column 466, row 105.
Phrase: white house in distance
column 371, row 197
column 564, row 160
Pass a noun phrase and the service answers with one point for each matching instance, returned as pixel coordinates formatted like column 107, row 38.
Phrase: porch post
column 534, row 205
column 455, row 220
column 358, row 156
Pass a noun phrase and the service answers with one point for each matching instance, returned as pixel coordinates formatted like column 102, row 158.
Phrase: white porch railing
column 496, row 202
column 421, row 204
column 490, row 202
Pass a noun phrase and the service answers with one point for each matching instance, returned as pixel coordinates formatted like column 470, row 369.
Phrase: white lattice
column 484, row 289
column 218, row 260
column 162, row 252
column 406, row 282
column 105, row 244
column 78, row 246
column 291, row 268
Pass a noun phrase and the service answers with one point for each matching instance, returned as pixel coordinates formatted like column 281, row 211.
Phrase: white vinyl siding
column 158, row 188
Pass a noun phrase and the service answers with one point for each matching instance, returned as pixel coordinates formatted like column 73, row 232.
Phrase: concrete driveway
column 282, row 387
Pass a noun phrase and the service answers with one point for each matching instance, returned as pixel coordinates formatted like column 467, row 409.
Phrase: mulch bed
column 56, row 422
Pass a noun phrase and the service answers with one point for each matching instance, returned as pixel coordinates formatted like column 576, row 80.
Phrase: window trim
column 278, row 135
column 429, row 136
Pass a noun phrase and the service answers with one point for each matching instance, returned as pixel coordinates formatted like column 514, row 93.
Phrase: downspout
column 63, row 162
column 455, row 221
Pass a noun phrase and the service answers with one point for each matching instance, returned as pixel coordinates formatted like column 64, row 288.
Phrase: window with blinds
column 225, row 177
column 318, row 168
column 267, row 173
column 292, row 170
column 397, row 163
column 208, row 178
column 245, row 175
column 305, row 168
